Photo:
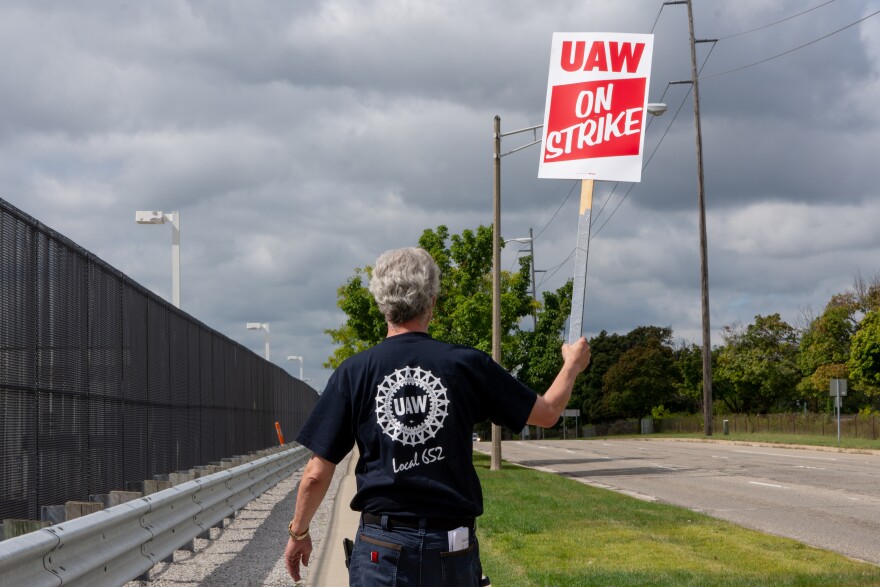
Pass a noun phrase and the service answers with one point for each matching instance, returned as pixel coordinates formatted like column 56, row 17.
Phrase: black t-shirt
column 410, row 403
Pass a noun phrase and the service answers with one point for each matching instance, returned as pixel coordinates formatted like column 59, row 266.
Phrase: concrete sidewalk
column 330, row 570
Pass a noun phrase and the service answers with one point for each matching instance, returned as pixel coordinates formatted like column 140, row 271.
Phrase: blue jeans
column 411, row 557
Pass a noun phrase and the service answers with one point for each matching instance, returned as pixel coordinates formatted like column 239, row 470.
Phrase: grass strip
column 545, row 530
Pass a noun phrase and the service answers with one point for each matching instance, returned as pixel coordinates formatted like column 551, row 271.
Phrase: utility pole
column 495, row 464
column 534, row 291
column 701, row 204
column 496, row 260
column 704, row 254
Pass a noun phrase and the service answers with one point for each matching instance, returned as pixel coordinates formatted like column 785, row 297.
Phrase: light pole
column 531, row 242
column 261, row 326
column 300, row 359
column 158, row 217
column 495, row 464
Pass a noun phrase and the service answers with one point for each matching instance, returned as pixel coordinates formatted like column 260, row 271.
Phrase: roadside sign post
column 838, row 392
column 569, row 413
column 594, row 125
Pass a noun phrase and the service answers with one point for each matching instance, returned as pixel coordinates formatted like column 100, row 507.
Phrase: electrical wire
column 540, row 232
column 559, row 187
column 658, row 16
column 598, row 215
column 550, row 272
column 777, row 22
column 814, row 41
column 657, row 146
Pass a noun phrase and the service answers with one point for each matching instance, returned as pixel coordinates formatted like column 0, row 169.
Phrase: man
column 410, row 404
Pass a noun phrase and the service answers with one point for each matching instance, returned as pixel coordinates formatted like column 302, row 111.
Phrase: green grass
column 544, row 530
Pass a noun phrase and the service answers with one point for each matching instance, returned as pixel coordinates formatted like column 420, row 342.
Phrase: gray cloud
column 299, row 140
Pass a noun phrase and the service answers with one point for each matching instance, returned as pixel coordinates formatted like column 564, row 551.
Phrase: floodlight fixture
column 159, row 217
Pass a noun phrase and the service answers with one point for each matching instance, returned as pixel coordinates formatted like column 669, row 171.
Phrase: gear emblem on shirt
column 411, row 405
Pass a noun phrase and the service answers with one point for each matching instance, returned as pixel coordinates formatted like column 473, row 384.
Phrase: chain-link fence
column 103, row 383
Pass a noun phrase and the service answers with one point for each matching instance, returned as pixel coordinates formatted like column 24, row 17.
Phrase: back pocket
column 374, row 562
column 461, row 567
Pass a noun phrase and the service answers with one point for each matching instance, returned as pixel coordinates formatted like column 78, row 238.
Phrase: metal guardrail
column 116, row 545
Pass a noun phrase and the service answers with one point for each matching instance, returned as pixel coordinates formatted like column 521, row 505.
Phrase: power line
column 795, row 49
column 557, row 210
column 777, row 22
column 657, row 146
column 547, row 205
column 658, row 17
column 550, row 272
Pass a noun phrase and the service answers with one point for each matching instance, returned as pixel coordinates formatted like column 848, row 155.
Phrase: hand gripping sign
column 594, row 125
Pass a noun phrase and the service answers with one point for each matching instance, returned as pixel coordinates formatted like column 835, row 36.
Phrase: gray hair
column 405, row 283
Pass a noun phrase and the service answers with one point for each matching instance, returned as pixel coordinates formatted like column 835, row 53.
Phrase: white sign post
column 594, row 125
column 570, row 413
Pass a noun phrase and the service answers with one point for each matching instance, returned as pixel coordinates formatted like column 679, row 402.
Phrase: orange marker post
column 280, row 434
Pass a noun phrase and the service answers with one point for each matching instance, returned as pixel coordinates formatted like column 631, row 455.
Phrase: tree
column 758, row 364
column 365, row 325
column 864, row 360
column 866, row 293
column 689, row 383
column 824, row 350
column 463, row 313
column 825, row 343
column 642, row 378
column 537, row 355
column 606, row 350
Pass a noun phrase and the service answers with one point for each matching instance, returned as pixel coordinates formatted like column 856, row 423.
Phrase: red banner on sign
column 595, row 119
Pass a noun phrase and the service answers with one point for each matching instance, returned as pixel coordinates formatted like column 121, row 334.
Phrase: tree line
column 762, row 367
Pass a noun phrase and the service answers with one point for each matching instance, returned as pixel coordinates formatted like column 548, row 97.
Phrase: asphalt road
column 827, row 499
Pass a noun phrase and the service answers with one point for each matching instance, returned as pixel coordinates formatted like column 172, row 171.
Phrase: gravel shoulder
column 248, row 550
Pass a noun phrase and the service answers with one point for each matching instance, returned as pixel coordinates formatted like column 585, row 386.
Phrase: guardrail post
column 14, row 528
column 78, row 509
column 115, row 498
column 152, row 486
column 180, row 477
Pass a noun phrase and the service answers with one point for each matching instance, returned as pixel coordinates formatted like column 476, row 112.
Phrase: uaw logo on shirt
column 411, row 405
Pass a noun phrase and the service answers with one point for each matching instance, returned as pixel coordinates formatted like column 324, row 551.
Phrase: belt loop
column 423, row 525
column 384, row 522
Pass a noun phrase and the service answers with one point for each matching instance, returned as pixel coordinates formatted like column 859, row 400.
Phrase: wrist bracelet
column 297, row 537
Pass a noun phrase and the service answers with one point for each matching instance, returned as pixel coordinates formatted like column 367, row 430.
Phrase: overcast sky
column 301, row 139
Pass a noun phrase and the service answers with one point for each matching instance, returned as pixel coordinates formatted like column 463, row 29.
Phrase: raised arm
column 548, row 408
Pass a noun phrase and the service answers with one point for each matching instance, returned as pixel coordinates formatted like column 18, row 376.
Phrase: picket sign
column 594, row 125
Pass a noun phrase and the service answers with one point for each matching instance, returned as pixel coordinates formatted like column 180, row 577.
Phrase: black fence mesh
column 103, row 383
